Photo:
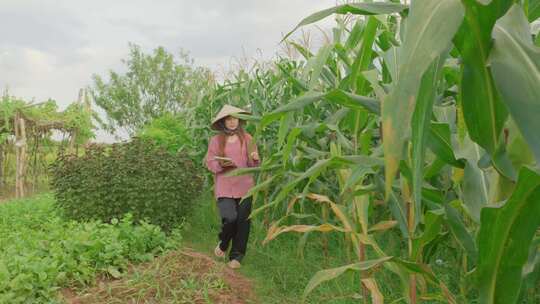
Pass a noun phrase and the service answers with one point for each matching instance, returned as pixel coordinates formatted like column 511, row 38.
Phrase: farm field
column 399, row 163
column 106, row 268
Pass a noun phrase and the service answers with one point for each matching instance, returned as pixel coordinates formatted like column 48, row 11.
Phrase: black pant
column 235, row 225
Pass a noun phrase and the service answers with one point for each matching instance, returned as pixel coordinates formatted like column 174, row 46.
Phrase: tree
column 168, row 131
column 153, row 85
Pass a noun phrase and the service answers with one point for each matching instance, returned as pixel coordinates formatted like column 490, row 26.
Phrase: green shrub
column 40, row 252
column 135, row 177
column 167, row 131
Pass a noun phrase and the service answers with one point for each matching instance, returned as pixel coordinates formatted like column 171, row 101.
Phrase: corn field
column 417, row 125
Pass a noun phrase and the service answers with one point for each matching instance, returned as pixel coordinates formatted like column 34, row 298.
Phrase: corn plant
column 420, row 117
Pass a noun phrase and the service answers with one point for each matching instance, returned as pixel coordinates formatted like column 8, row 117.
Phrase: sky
column 51, row 49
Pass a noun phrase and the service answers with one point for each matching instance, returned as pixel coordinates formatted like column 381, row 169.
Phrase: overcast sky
column 50, row 49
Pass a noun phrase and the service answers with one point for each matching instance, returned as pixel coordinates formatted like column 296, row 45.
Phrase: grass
column 279, row 271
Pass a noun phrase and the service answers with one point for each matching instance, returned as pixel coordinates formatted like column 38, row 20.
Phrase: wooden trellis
column 25, row 126
column 21, row 127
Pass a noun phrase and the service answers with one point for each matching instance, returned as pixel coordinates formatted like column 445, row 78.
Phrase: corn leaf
column 432, row 228
column 374, row 8
column 274, row 232
column 353, row 101
column 330, row 274
column 504, row 238
column 383, row 225
column 420, row 130
column 295, row 104
column 376, row 295
column 515, row 62
column 460, row 232
column 425, row 39
column 397, row 208
column 364, row 56
column 534, row 10
column 440, row 143
column 336, row 209
column 483, row 110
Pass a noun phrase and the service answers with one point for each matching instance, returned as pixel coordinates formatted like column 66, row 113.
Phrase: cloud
column 51, row 49
column 38, row 27
column 21, row 65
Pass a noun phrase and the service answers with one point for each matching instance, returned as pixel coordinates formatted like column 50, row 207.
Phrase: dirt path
column 183, row 276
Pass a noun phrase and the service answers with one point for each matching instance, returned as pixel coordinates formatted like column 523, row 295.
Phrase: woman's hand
column 255, row 156
column 227, row 164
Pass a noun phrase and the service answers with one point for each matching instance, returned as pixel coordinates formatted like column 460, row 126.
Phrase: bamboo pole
column 20, row 151
column 22, row 167
column 35, row 169
column 6, row 161
column 2, row 165
column 17, row 154
column 23, row 154
column 72, row 140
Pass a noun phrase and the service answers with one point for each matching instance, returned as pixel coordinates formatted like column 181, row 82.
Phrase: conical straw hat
column 224, row 112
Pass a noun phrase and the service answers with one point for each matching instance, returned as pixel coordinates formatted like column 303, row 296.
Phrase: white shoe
column 218, row 252
column 234, row 264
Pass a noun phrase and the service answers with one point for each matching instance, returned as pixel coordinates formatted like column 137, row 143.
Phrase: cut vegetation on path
column 182, row 276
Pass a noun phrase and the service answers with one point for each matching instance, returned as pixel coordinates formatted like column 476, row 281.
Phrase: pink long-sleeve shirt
column 231, row 186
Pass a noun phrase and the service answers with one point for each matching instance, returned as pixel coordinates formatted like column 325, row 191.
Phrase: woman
column 232, row 148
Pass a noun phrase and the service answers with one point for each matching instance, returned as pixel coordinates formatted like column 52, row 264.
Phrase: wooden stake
column 1, row 164
column 22, row 168
column 72, row 139
column 35, row 169
column 17, row 154
column 20, row 151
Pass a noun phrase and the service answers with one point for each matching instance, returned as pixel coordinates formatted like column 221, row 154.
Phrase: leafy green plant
column 40, row 252
column 135, row 177
column 169, row 132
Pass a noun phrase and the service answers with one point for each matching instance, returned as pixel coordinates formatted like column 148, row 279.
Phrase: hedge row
column 135, row 177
